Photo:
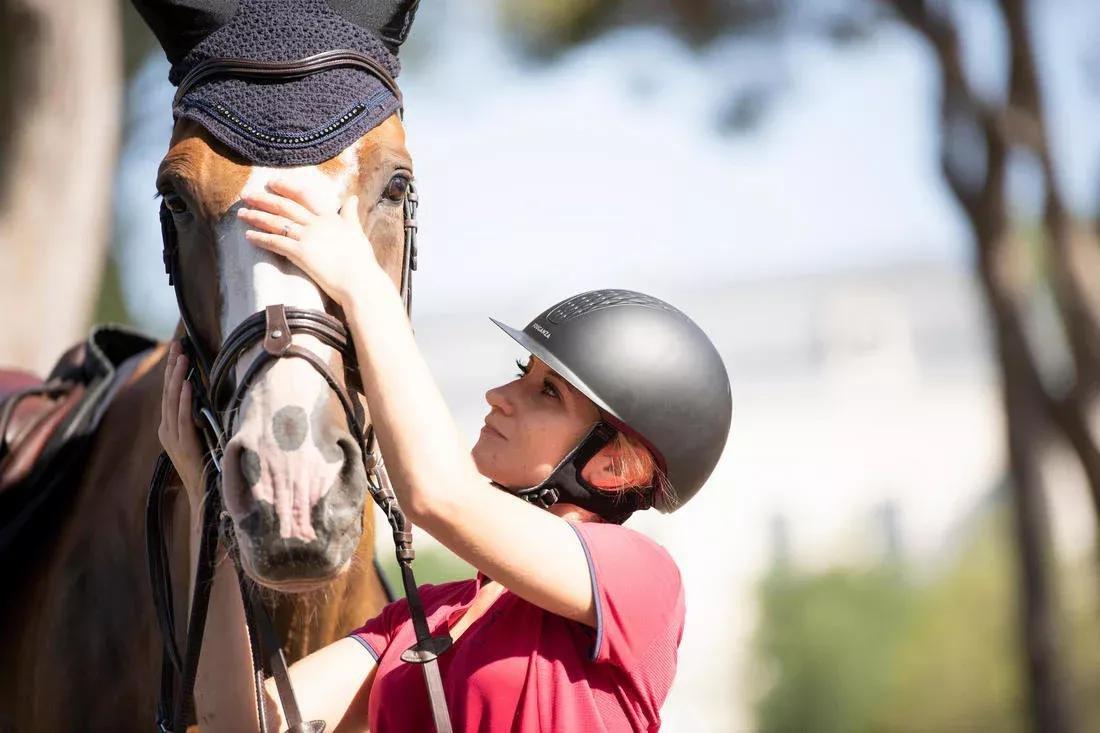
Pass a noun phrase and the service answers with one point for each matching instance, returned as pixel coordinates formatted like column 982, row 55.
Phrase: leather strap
column 276, row 331
column 267, row 648
column 160, row 578
column 566, row 482
column 283, row 71
column 200, row 603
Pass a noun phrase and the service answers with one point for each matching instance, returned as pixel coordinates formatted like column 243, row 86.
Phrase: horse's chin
column 301, row 586
column 295, row 585
column 290, row 566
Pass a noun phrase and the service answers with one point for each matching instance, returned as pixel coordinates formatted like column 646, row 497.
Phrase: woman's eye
column 397, row 188
column 523, row 369
column 175, row 203
column 550, row 390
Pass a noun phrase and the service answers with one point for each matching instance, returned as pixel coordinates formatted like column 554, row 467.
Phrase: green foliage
column 865, row 651
column 433, row 564
column 827, row 641
column 110, row 306
column 1082, row 603
column 959, row 667
column 545, row 27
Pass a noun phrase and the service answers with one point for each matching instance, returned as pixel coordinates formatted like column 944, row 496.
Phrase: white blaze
column 251, row 279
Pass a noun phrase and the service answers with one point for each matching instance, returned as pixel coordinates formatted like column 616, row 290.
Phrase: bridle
column 214, row 395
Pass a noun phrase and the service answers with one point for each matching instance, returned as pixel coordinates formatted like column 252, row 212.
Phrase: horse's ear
column 179, row 25
column 390, row 19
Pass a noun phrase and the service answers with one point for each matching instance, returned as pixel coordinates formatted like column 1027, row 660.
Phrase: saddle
column 46, row 424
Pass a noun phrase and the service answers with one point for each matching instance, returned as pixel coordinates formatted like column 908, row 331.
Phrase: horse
column 83, row 650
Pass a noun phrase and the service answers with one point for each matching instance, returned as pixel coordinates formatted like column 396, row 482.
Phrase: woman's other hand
column 177, row 432
column 328, row 245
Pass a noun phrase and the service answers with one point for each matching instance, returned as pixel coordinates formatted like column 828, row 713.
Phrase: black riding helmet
column 653, row 373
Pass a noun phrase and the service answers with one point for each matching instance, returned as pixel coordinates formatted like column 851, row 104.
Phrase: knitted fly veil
column 293, row 122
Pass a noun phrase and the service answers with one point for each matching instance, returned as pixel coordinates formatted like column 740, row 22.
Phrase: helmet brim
column 542, row 352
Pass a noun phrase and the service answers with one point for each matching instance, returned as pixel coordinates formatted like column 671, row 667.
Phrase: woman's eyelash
column 547, row 386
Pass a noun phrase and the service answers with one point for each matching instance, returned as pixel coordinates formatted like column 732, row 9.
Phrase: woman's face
column 532, row 423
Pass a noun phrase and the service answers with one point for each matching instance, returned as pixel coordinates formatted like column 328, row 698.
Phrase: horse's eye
column 175, row 203
column 397, row 188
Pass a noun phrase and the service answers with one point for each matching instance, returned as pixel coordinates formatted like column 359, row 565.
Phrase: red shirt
column 520, row 668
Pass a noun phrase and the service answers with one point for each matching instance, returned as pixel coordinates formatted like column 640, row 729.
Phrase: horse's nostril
column 351, row 472
column 250, row 466
column 331, row 451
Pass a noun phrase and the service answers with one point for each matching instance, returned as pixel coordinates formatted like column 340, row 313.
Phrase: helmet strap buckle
column 566, row 484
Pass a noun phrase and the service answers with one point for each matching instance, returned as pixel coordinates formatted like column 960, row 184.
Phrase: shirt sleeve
column 376, row 634
column 638, row 593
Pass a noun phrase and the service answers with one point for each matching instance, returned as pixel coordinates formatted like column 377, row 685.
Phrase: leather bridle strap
column 200, row 600
column 163, row 602
column 267, row 654
column 283, row 71
column 427, row 648
column 275, row 326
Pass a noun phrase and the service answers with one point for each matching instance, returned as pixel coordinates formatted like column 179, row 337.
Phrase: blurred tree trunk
column 60, row 106
column 969, row 126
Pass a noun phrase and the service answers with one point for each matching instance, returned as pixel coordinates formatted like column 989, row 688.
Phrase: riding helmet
column 651, row 370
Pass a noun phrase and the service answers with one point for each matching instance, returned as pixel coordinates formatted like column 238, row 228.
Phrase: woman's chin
column 488, row 464
column 483, row 460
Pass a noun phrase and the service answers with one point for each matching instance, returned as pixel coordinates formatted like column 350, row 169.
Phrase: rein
column 214, row 395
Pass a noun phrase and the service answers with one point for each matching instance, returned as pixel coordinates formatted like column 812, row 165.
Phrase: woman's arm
column 225, row 697
column 332, row 684
column 529, row 551
column 224, row 693
column 533, row 553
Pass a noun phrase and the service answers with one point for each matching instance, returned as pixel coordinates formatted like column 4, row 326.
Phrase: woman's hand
column 177, row 432
column 327, row 244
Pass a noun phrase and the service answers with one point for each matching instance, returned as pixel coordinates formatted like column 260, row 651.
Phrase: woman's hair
column 636, row 465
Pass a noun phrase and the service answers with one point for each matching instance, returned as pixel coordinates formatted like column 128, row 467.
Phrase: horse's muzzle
column 283, row 530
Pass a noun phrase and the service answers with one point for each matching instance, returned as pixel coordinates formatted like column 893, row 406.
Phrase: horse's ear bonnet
column 290, row 123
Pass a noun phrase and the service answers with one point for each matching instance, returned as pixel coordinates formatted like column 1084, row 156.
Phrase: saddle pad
column 49, row 427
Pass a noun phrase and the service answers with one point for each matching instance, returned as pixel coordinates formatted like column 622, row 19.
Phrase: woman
column 574, row 620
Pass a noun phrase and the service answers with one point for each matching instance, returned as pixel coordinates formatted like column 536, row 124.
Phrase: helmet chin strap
column 565, row 483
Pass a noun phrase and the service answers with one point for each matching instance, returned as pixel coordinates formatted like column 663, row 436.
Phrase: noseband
column 214, row 395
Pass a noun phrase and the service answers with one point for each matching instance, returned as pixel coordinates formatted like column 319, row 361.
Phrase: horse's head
column 261, row 95
column 293, row 475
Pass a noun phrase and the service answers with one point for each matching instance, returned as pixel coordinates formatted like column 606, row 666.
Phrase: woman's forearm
column 225, row 697
column 331, row 684
column 424, row 454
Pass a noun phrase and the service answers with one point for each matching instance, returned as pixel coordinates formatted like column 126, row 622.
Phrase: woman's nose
column 499, row 398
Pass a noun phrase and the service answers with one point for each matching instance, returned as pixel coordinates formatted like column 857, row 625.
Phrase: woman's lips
column 487, row 429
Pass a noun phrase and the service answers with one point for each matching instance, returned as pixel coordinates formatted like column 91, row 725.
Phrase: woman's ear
column 604, row 470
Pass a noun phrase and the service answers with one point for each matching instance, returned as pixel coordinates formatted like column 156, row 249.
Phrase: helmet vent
column 597, row 299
